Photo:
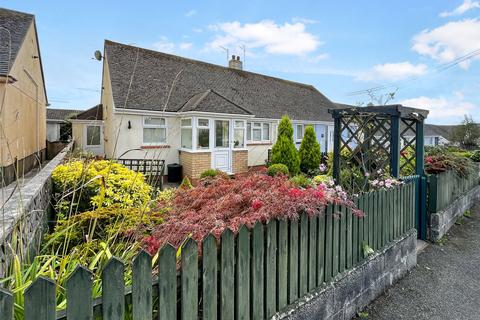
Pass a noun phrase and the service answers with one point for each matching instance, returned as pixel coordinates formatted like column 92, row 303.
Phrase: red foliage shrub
column 231, row 203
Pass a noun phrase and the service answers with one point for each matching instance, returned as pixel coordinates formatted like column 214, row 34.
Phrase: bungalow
column 201, row 115
column 22, row 94
column 59, row 127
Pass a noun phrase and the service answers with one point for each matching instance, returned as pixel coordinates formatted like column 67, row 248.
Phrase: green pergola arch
column 369, row 139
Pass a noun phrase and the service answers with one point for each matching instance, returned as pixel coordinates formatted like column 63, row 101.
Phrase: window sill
column 260, row 143
column 160, row 146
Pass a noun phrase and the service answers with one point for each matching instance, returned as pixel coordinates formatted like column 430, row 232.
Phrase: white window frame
column 197, row 127
column 86, row 135
column 296, row 132
column 154, row 126
column 244, row 127
column 186, row 127
column 262, row 138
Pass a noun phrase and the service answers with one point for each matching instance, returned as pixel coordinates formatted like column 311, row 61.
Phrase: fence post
column 79, row 294
column 6, row 305
column 40, row 301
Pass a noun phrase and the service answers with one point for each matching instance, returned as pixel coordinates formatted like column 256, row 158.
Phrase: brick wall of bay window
column 240, row 161
column 195, row 163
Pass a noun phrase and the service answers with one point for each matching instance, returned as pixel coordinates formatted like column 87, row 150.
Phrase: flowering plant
column 384, row 181
column 231, row 203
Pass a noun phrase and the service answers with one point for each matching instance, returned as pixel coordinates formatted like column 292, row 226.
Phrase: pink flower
column 257, row 204
column 295, row 193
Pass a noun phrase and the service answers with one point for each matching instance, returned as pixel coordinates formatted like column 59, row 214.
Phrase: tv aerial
column 98, row 55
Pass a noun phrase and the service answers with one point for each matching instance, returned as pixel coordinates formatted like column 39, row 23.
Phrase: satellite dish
column 98, row 55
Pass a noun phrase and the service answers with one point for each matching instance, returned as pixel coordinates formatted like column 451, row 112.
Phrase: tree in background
column 284, row 150
column 309, row 152
column 467, row 134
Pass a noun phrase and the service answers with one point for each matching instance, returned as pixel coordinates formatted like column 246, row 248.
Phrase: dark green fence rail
column 253, row 274
column 446, row 187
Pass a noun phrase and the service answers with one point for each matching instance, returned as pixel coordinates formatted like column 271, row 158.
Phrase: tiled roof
column 211, row 101
column 156, row 73
column 94, row 113
column 17, row 23
column 61, row 114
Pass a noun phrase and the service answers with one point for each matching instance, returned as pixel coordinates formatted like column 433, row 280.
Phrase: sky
column 422, row 51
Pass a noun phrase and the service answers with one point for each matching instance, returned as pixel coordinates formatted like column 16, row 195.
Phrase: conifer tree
column 309, row 152
column 284, row 150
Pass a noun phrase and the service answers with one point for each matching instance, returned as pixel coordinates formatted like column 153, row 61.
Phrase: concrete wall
column 24, row 115
column 25, row 215
column 441, row 222
column 354, row 289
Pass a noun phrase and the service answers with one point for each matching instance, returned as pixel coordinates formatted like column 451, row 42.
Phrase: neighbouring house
column 437, row 135
column 22, row 94
column 59, row 127
column 201, row 115
column 87, row 130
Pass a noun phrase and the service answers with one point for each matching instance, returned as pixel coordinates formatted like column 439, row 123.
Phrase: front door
column 222, row 153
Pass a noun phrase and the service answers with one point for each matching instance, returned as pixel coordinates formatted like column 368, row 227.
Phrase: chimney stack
column 235, row 63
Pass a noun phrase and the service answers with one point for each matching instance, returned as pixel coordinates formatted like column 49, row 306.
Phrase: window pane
column 257, row 125
column 203, row 138
column 154, row 135
column 239, row 136
column 221, row 133
column 239, row 124
column 186, row 122
column 203, row 122
column 93, row 135
column 266, row 131
column 299, row 132
column 257, row 134
column 155, row 121
column 249, row 131
column 187, row 138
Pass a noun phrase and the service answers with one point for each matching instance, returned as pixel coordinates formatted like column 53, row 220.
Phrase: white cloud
column 185, row 45
column 464, row 7
column 197, row 30
column 304, row 20
column 273, row 38
column 393, row 71
column 190, row 13
column 165, row 45
column 441, row 108
column 450, row 41
column 319, row 57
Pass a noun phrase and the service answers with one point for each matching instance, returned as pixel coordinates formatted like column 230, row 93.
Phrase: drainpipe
column 37, row 116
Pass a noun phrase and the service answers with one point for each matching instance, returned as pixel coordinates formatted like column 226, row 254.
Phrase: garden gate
column 370, row 142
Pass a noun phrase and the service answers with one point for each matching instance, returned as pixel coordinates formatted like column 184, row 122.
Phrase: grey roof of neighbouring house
column 17, row 23
column 94, row 113
column 155, row 72
column 61, row 114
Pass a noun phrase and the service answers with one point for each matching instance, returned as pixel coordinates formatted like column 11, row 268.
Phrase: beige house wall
column 77, row 134
column 23, row 117
column 128, row 143
column 109, row 131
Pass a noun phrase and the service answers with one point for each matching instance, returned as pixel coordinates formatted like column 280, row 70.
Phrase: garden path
column 444, row 285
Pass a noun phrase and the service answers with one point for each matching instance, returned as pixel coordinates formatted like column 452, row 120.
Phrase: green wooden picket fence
column 446, row 187
column 253, row 274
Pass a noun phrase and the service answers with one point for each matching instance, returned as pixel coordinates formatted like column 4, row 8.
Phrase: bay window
column 203, row 134
column 186, row 133
column 239, row 134
column 154, row 130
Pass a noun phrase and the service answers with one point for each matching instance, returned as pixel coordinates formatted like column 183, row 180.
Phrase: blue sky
column 339, row 47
